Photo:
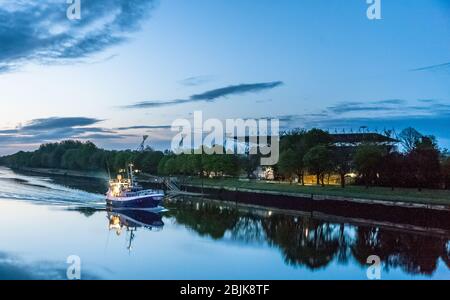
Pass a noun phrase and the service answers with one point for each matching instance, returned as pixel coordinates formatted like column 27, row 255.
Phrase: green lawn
column 373, row 193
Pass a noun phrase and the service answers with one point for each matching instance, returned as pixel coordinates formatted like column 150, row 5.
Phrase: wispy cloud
column 196, row 80
column 264, row 101
column 55, row 129
column 438, row 67
column 380, row 105
column 39, row 31
column 145, row 127
column 53, row 123
column 430, row 116
column 99, row 136
column 390, row 101
column 388, row 107
column 31, row 134
column 427, row 100
column 212, row 95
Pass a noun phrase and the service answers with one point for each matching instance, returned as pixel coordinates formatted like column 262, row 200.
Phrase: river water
column 45, row 220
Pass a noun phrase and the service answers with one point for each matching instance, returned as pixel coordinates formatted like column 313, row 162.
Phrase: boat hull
column 148, row 201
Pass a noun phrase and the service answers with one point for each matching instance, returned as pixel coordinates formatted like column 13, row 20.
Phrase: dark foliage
column 79, row 156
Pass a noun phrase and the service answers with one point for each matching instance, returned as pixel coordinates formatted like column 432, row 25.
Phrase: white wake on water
column 41, row 189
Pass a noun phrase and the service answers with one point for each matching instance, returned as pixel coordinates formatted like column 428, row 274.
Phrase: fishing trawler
column 125, row 192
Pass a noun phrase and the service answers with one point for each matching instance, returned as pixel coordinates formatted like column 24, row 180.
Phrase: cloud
column 357, row 108
column 4, row 68
column 438, row 67
column 235, row 90
column 195, row 81
column 390, row 101
column 391, row 108
column 427, row 100
column 55, row 129
column 380, row 105
column 145, row 127
column 45, row 130
column 99, row 136
column 429, row 116
column 212, row 95
column 52, row 123
column 264, row 101
column 39, row 31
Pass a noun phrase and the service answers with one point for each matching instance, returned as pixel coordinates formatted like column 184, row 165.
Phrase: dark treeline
column 217, row 165
column 419, row 164
column 75, row 155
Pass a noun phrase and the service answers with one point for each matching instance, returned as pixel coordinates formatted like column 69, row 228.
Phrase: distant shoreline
column 397, row 198
column 62, row 172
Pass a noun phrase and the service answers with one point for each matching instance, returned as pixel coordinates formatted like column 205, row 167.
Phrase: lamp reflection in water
column 130, row 220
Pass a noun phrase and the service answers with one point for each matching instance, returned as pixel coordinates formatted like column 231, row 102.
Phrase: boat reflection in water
column 129, row 220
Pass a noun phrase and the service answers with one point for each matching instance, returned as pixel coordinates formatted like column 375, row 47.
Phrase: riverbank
column 71, row 173
column 402, row 197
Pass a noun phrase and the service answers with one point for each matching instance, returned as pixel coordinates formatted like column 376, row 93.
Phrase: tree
column 69, row 160
column 98, row 160
column 122, row 159
column 293, row 146
column 316, row 137
column 229, row 165
column 170, row 166
column 249, row 164
column 297, row 160
column 86, row 156
column 392, row 172
column 424, row 163
column 318, row 162
column 194, row 163
column 162, row 165
column 409, row 137
column 342, row 160
column 446, row 173
column 285, row 165
column 367, row 161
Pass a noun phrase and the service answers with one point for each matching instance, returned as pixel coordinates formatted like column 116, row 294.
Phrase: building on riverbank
column 342, row 142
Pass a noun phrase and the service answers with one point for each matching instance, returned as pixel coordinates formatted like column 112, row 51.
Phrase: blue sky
column 129, row 68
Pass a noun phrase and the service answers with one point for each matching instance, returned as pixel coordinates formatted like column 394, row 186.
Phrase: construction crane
column 142, row 145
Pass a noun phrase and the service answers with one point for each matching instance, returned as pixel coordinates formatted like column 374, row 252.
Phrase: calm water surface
column 44, row 220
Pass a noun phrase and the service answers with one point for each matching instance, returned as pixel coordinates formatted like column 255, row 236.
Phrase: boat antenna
column 130, row 240
column 130, row 173
column 107, row 168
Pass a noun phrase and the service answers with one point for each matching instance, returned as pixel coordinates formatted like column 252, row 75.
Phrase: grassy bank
column 431, row 197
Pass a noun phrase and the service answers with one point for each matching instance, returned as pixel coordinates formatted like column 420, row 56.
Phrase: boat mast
column 130, row 172
column 109, row 172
